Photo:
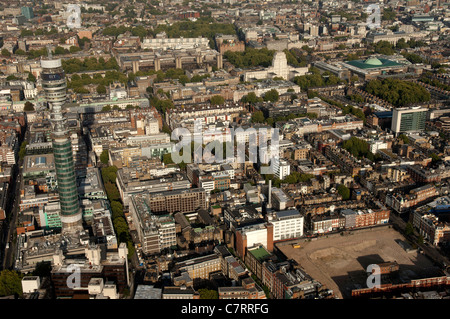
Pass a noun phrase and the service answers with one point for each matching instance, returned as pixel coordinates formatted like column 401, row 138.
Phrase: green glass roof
column 373, row 63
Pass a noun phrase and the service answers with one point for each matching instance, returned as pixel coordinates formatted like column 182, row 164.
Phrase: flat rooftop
column 259, row 253
column 285, row 214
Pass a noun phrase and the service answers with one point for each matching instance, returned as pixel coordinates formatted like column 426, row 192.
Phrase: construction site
column 340, row 261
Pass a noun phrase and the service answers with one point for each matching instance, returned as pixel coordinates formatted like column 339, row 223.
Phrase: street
column 9, row 232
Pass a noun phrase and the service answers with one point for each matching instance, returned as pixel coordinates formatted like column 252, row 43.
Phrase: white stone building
column 282, row 168
column 279, row 68
column 287, row 224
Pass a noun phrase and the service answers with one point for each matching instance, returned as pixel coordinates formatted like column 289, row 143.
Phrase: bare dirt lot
column 339, row 262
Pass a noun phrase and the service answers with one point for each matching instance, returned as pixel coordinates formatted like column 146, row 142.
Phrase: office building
column 155, row 232
column 182, row 200
column 408, row 119
column 111, row 266
column 282, row 169
column 287, row 224
column 248, row 290
column 201, row 267
column 254, row 235
column 27, row 12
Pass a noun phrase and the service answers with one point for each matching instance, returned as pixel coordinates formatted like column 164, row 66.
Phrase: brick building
column 111, row 266
column 186, row 201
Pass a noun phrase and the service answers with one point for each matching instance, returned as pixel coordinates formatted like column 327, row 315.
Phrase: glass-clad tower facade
column 410, row 119
column 54, row 86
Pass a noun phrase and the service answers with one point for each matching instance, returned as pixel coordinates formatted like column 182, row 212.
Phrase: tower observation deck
column 54, row 86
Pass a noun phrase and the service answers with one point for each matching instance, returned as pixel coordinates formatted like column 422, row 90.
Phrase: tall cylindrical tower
column 54, row 86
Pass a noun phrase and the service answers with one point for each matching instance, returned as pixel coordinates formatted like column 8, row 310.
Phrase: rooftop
column 372, row 63
column 287, row 214
column 259, row 253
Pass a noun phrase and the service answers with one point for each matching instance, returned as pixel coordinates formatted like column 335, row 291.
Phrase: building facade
column 408, row 119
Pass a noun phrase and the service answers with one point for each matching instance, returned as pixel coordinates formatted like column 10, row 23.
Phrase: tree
column 356, row 98
column 104, row 157
column 384, row 47
column 404, row 138
column 296, row 177
column 183, row 79
column 161, row 105
column 43, row 269
column 420, row 240
column 414, row 58
column 401, row 44
column 25, row 33
column 167, row 159
column 166, row 129
column 251, row 98
column 28, row 107
column 217, row 100
column 31, row 77
column 22, row 150
column 409, row 229
column 11, row 77
column 101, row 89
column 112, row 192
column 312, row 94
column 270, row 121
column 388, row 14
column 82, row 42
column 117, row 209
column 354, row 78
column 20, row 52
column 10, row 283
column 271, row 96
column 81, row 90
column 109, row 174
column 208, row 294
column 106, row 108
column 258, row 117
column 250, row 57
column 199, row 78
column 398, row 92
column 121, row 227
column 74, row 49
column 434, row 157
column 344, row 191
column 59, row 50
column 6, row 53
column 357, row 147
